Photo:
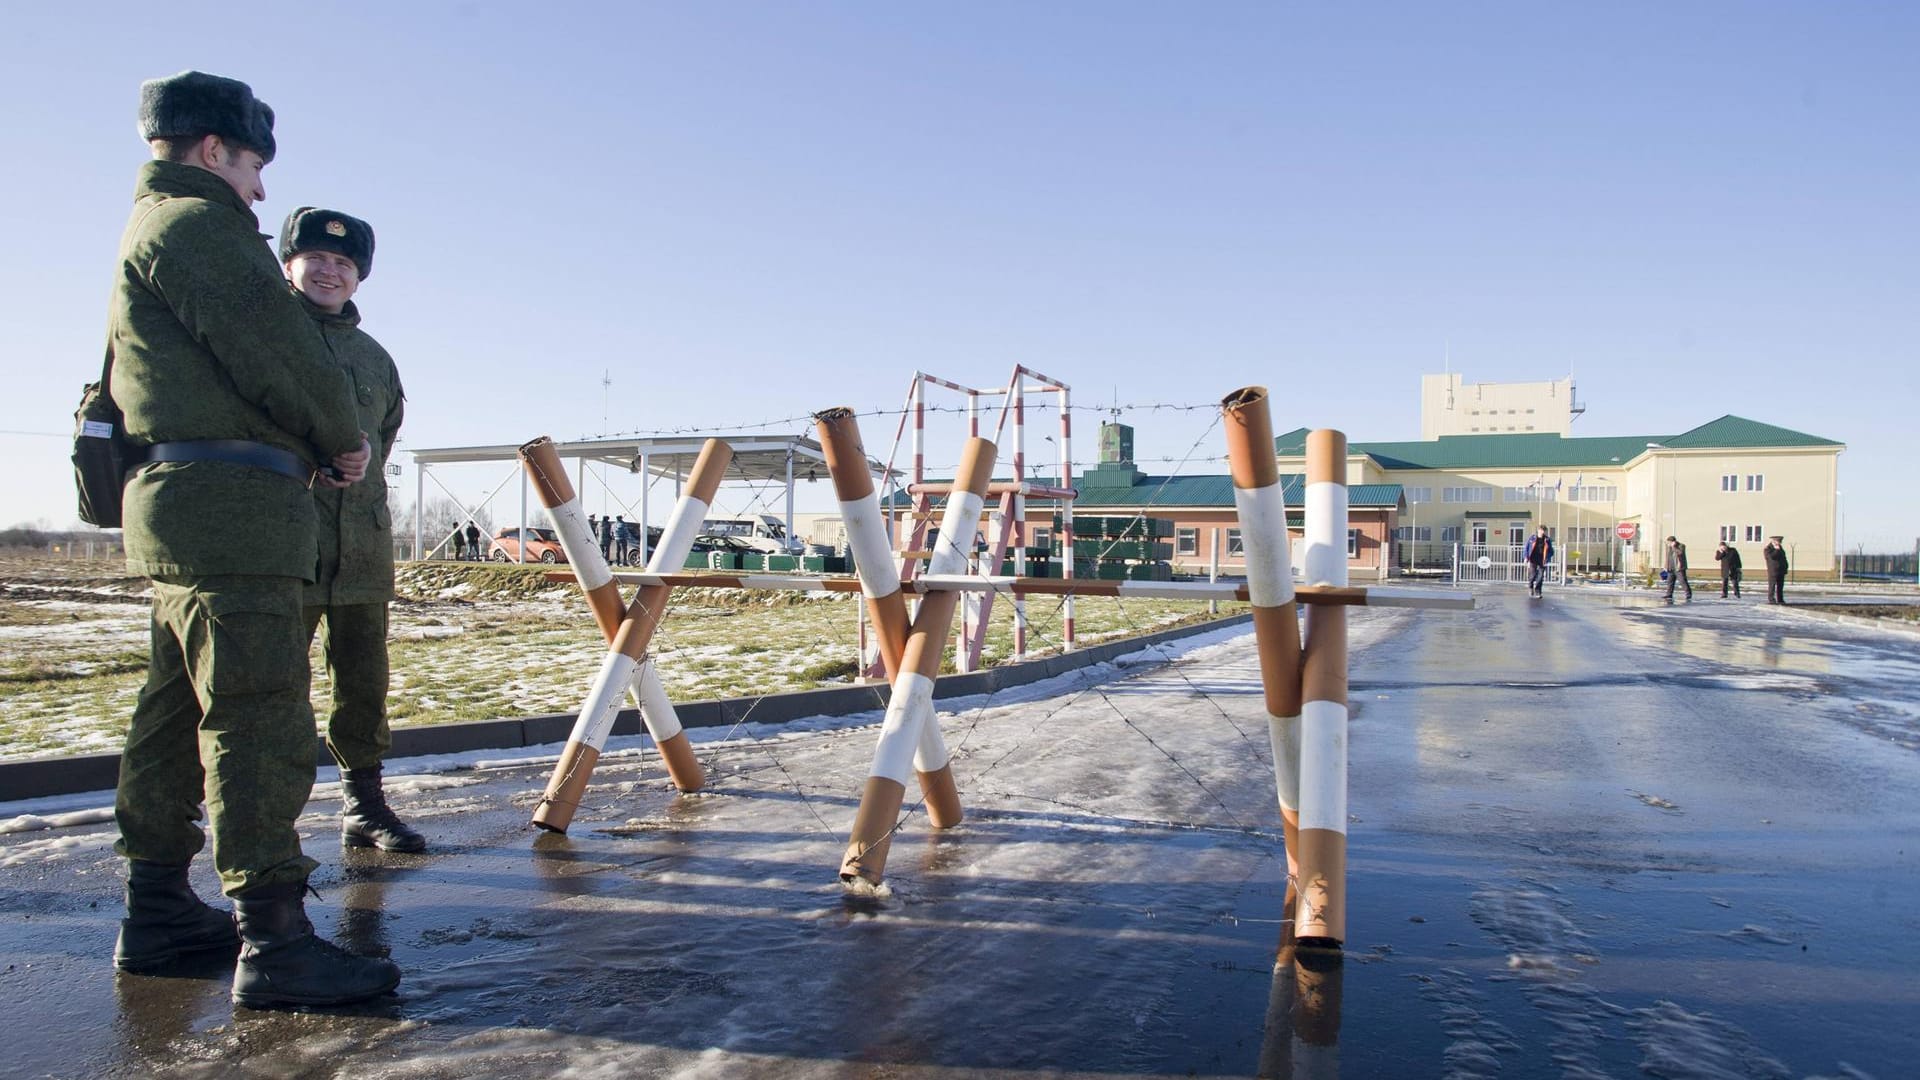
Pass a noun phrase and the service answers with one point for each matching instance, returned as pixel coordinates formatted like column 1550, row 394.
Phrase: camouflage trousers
column 224, row 717
column 354, row 646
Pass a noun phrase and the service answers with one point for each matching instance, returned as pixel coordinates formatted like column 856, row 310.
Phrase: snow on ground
column 1583, row 843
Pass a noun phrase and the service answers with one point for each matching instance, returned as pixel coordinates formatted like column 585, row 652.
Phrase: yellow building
column 1730, row 479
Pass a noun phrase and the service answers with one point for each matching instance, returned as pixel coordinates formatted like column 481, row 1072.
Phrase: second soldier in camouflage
column 327, row 254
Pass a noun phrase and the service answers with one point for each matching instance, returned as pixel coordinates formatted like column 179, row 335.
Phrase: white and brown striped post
column 541, row 459
column 629, row 646
column 1262, row 510
column 886, row 601
column 910, row 735
column 873, row 561
column 1321, row 916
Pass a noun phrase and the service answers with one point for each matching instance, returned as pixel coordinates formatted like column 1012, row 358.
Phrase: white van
column 763, row 531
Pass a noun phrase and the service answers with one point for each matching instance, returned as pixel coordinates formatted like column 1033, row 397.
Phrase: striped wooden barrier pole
column 1262, row 510
column 880, row 582
column 595, row 577
column 629, row 647
column 904, row 735
column 1321, row 916
column 866, row 533
column 1304, row 595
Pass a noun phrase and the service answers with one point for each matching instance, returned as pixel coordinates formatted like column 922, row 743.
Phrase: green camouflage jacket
column 205, row 342
column 356, row 529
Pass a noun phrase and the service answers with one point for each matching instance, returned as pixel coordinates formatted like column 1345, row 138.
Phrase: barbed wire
column 1035, row 406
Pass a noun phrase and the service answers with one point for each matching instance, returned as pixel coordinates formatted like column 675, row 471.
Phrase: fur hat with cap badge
column 310, row 228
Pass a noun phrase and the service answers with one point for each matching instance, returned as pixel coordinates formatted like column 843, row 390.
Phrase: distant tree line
column 40, row 536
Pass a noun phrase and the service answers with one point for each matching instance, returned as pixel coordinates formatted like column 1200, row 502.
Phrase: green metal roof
column 1738, row 431
column 1533, row 451
column 1549, row 450
column 1292, row 444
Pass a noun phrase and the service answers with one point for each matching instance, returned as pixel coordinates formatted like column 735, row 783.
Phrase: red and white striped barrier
column 1305, row 595
column 886, row 601
column 555, row 491
column 624, row 660
column 1321, row 916
column 1262, row 510
column 910, row 734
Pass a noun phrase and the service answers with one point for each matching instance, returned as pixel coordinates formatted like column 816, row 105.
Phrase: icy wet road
column 1591, row 837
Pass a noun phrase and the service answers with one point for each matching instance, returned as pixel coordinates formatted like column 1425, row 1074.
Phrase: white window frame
column 1353, row 544
column 1235, row 549
column 1756, row 482
column 1186, row 541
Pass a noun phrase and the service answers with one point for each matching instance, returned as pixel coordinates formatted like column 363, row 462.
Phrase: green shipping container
column 1141, row 550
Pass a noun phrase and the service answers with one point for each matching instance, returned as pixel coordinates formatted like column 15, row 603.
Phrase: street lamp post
column 1413, row 538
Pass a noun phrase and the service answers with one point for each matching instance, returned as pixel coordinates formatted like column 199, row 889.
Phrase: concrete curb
column 38, row 777
column 1898, row 626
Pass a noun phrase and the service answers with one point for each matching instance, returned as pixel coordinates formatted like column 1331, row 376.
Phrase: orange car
column 542, row 546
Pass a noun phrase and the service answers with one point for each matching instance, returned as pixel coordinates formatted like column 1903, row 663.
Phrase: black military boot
column 283, row 964
column 367, row 820
column 165, row 921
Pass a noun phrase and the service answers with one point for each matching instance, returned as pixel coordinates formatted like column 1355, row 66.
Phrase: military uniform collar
column 171, row 178
column 347, row 316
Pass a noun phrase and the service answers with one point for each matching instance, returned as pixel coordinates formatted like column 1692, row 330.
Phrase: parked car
column 542, row 546
column 633, row 543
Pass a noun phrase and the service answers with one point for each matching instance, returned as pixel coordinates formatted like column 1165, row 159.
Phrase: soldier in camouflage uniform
column 327, row 255
column 234, row 403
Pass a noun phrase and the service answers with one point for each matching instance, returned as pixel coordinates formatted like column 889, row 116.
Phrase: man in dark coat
column 474, row 550
column 621, row 540
column 459, row 544
column 1539, row 554
column 1775, row 554
column 327, row 254
column 1728, row 557
column 606, row 538
column 1677, row 567
column 236, row 407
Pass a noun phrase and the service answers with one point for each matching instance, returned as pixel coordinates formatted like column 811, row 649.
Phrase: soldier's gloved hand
column 350, row 467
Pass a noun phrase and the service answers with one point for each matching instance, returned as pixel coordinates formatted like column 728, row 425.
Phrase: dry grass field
column 469, row 642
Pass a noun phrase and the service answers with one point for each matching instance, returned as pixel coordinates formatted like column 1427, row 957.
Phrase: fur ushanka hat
column 194, row 103
column 312, row 229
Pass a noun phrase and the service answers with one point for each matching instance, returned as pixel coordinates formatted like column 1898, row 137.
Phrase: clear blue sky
column 751, row 211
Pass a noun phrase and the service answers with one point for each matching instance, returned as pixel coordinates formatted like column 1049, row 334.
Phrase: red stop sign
column 1625, row 530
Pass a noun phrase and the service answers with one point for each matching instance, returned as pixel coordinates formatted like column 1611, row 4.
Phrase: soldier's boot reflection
column 362, row 926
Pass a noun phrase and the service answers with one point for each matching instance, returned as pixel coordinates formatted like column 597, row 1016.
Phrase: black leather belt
column 235, row 452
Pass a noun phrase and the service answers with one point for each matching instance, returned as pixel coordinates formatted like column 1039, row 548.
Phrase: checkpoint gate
column 1499, row 564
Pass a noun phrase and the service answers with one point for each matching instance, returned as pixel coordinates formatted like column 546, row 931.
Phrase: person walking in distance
column 1539, row 554
column 474, row 551
column 1677, row 568
column 1728, row 557
column 606, row 538
column 1775, row 554
column 621, row 550
column 235, row 409
column 327, row 254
